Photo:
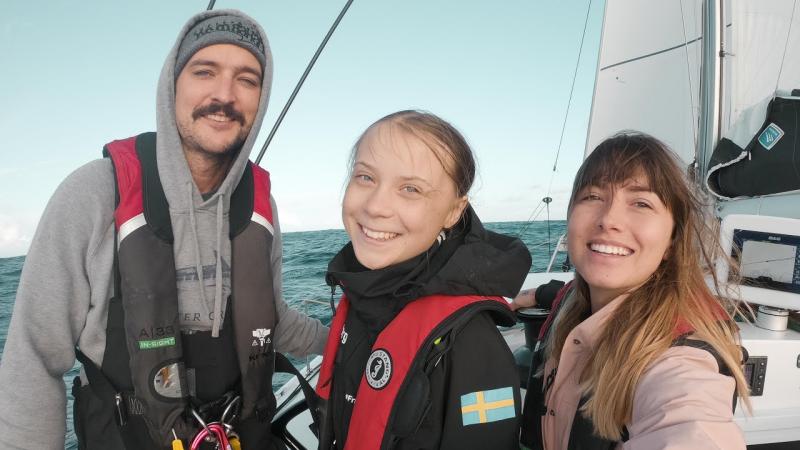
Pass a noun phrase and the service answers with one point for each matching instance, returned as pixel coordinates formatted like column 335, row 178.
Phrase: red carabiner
column 215, row 431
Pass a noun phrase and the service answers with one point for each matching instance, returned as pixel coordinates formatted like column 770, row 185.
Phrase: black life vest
column 395, row 363
column 142, row 380
column 582, row 435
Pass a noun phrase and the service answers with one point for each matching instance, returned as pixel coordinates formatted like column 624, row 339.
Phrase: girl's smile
column 399, row 198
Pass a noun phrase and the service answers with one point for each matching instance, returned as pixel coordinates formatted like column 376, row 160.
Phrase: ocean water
column 305, row 259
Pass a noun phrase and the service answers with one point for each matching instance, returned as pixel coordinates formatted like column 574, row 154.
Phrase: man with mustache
column 159, row 268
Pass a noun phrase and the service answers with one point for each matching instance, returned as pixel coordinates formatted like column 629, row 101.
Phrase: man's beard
column 232, row 149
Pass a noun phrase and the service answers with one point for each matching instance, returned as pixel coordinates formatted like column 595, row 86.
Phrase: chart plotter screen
column 768, row 260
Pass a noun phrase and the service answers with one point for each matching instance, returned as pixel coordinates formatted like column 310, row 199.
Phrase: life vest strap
column 282, row 364
column 125, row 402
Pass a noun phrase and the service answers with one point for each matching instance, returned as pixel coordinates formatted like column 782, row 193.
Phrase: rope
column 211, row 5
column 302, row 80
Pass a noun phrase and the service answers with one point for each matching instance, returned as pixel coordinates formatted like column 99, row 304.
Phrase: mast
column 710, row 84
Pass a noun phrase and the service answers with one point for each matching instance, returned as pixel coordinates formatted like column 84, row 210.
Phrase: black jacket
column 472, row 358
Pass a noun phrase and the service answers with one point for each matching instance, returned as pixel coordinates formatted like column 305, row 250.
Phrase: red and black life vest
column 142, row 380
column 397, row 352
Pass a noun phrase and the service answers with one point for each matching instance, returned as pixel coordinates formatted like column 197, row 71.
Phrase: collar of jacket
column 470, row 261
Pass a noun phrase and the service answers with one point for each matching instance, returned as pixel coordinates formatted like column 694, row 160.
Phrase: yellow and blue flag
column 487, row 406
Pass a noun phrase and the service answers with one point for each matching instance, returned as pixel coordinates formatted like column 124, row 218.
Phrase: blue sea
column 305, row 258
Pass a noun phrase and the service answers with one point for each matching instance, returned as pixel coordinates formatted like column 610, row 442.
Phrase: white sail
column 761, row 45
column 761, row 42
column 648, row 80
column 648, row 76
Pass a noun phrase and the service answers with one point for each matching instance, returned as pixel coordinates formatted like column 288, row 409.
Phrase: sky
column 77, row 75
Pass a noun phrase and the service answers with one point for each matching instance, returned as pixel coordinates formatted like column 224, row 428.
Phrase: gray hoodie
column 67, row 280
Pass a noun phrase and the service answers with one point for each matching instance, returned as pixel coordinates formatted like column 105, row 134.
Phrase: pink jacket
column 681, row 402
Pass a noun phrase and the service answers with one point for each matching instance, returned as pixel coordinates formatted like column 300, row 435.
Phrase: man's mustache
column 215, row 108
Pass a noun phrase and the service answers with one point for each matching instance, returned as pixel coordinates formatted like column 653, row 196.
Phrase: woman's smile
column 617, row 237
column 609, row 248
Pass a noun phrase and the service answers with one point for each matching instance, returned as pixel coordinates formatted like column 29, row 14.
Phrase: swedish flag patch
column 487, row 406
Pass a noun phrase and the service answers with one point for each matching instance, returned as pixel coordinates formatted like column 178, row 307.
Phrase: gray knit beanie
column 226, row 29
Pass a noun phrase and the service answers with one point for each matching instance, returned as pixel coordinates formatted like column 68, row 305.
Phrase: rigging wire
column 535, row 214
column 572, row 88
column 302, row 80
column 785, row 46
column 539, row 208
column 547, row 201
column 689, row 76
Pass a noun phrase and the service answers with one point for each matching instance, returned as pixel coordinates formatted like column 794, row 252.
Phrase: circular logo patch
column 167, row 382
column 379, row 369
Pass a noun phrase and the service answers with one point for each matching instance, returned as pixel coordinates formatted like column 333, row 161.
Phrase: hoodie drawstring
column 197, row 262
column 218, row 275
column 218, row 281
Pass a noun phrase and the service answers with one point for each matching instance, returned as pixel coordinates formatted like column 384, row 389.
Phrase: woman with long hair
column 414, row 359
column 640, row 353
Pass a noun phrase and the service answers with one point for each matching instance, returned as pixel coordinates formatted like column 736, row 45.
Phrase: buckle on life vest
column 221, row 431
column 224, row 410
column 212, row 411
column 121, row 417
column 126, row 405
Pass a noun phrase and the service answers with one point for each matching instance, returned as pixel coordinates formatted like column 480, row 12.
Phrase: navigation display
column 768, row 260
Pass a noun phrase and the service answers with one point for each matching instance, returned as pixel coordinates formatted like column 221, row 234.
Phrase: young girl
column 640, row 354
column 414, row 359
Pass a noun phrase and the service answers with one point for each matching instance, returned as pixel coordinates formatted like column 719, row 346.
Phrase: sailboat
column 704, row 76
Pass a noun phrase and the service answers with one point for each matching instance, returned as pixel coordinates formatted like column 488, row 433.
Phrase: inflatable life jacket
column 397, row 357
column 142, row 381
column 582, row 435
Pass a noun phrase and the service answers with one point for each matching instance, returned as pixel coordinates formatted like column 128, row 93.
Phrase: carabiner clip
column 228, row 409
column 197, row 417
